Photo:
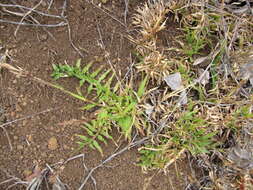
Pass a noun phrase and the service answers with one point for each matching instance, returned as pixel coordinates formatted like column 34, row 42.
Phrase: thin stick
column 126, row 11
column 37, row 22
column 71, row 41
column 50, row 4
column 106, row 13
column 8, row 137
column 29, row 12
column 30, row 9
column 92, row 178
column 38, row 25
column 12, row 12
column 235, row 33
column 131, row 145
column 64, row 8
column 107, row 55
column 174, row 159
column 13, row 178
column 7, row 181
column 28, row 117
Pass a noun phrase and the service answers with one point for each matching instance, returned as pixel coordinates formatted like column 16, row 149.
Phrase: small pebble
column 43, row 37
column 26, row 173
column 24, row 122
column 18, row 108
column 52, row 143
column 43, row 154
column 19, row 147
column 65, row 147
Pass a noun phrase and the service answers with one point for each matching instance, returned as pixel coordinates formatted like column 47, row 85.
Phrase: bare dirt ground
column 35, row 51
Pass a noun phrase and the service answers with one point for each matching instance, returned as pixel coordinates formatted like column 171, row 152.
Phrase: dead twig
column 8, row 138
column 28, row 117
column 71, row 41
column 25, row 15
column 111, row 157
column 126, row 11
column 64, row 8
column 50, row 4
column 105, row 12
column 107, row 55
column 36, row 25
column 37, row 22
column 13, row 178
column 30, row 9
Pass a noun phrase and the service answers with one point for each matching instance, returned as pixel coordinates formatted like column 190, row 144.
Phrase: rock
column 43, row 154
column 19, row 147
column 43, row 37
column 52, row 143
column 104, row 1
column 18, row 108
column 65, row 147
column 24, row 122
column 29, row 138
column 12, row 114
column 26, row 173
column 44, row 4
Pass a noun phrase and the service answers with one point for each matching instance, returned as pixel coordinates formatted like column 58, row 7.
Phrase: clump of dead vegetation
column 150, row 19
column 208, row 99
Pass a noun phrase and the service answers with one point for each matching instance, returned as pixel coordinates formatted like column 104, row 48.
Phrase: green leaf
column 55, row 68
column 86, row 68
column 109, row 81
column 84, row 138
column 142, row 87
column 106, row 134
column 103, row 76
column 92, row 146
column 81, row 82
column 209, row 135
column 97, row 146
column 95, row 73
column 90, row 88
column 88, row 107
column 116, row 87
column 129, row 108
column 91, row 126
column 101, row 138
column 78, row 63
column 90, row 132
column 125, row 124
column 81, row 144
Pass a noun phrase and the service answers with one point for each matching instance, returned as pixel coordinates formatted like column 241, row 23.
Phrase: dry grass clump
column 155, row 64
column 150, row 19
column 216, row 67
column 152, row 61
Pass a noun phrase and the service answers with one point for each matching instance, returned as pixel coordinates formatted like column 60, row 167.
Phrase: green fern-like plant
column 117, row 107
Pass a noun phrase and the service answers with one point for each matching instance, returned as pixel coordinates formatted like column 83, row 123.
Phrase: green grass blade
column 142, row 87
